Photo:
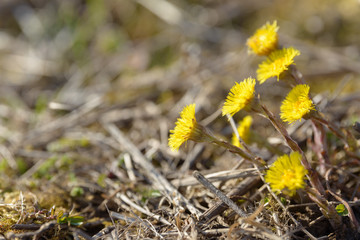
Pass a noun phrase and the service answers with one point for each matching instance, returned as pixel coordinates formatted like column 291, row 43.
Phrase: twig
column 159, row 181
column 216, row 231
column 316, row 220
column 191, row 157
column 112, row 220
column 103, row 232
column 219, row 207
column 78, row 231
column 8, row 156
column 142, row 210
column 122, row 217
column 45, row 227
column 31, row 226
column 216, row 177
column 22, row 206
column 218, row 193
column 351, row 203
column 129, row 167
column 264, row 234
column 277, row 223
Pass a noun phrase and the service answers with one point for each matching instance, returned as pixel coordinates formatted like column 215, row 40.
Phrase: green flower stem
column 203, row 134
column 257, row 160
column 282, row 130
column 253, row 138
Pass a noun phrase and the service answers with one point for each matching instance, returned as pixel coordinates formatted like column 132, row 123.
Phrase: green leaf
column 64, row 218
column 60, row 217
column 341, row 210
column 75, row 220
column 77, row 192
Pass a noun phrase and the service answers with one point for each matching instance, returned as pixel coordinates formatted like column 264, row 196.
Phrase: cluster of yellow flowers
column 287, row 173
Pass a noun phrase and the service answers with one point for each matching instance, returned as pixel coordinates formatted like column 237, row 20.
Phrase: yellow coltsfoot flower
column 184, row 128
column 276, row 63
column 243, row 130
column 187, row 128
column 265, row 39
column 297, row 104
column 239, row 97
column 286, row 174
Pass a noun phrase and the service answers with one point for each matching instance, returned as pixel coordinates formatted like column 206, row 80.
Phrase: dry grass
column 90, row 89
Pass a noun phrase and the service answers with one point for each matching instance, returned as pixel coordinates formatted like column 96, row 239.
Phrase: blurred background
column 142, row 61
column 69, row 51
column 160, row 55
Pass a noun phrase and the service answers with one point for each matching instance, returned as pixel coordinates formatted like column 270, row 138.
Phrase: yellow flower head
column 296, row 104
column 264, row 40
column 286, row 174
column 185, row 128
column 277, row 62
column 244, row 131
column 239, row 97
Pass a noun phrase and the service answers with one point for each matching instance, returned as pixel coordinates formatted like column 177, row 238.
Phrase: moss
column 7, row 219
column 54, row 196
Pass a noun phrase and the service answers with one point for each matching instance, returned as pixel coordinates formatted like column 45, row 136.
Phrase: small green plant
column 65, row 218
column 341, row 210
column 76, row 192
